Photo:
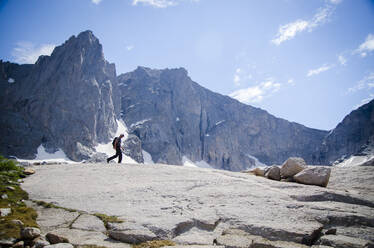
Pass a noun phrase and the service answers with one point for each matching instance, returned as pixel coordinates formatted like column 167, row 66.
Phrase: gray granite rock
column 131, row 233
column 60, row 245
column 183, row 203
column 89, row 223
column 292, row 166
column 133, row 148
column 30, row 233
column 314, row 176
column 273, row 173
column 343, row 241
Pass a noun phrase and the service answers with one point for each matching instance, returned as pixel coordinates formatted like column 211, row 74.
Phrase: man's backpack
column 114, row 142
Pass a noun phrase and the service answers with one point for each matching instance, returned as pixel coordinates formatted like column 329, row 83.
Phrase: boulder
column 29, row 171
column 7, row 242
column 17, row 222
column 273, row 173
column 55, row 238
column 30, row 233
column 133, row 148
column 314, row 176
column 292, row 166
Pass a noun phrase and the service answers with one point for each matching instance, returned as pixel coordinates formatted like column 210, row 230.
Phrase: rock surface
column 30, row 233
column 176, row 117
column 314, row 176
column 89, row 223
column 178, row 203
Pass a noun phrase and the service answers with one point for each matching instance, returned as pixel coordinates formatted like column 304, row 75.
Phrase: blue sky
column 311, row 62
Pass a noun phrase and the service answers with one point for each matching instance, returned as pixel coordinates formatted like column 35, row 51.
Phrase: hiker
column 117, row 146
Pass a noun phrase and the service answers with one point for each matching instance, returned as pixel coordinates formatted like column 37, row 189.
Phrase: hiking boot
column 107, row 160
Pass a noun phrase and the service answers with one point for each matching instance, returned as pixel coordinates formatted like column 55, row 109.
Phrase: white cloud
column 96, row 1
column 367, row 46
column 129, row 47
column 342, row 60
column 318, row 70
column 335, row 1
column 256, row 93
column 291, row 81
column 289, row 31
column 156, row 3
column 160, row 3
column 366, row 83
column 28, row 53
column 237, row 77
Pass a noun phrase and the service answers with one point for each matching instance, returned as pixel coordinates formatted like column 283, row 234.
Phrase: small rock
column 258, row 172
column 7, row 242
column 5, row 212
column 56, row 239
column 273, row 173
column 29, row 171
column 60, row 245
column 4, row 196
column 40, row 243
column 292, row 166
column 10, row 188
column 17, row 222
column 314, row 176
column 30, row 233
column 331, row 231
column 130, row 233
column 19, row 244
column 342, row 241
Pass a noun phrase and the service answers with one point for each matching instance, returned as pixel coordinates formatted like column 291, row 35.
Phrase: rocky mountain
column 353, row 136
column 67, row 100
column 175, row 117
column 71, row 99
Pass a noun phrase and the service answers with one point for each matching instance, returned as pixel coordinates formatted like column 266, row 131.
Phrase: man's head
column 121, row 136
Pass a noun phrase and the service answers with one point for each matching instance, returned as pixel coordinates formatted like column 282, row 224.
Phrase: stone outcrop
column 68, row 100
column 175, row 117
column 193, row 206
column 133, row 148
column 314, row 176
column 292, row 166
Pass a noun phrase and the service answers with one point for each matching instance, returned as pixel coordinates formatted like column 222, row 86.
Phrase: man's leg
column 119, row 156
column 112, row 157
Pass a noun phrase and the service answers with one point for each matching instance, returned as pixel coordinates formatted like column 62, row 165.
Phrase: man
column 117, row 147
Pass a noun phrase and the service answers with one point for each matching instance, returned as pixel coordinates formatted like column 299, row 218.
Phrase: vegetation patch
column 12, row 196
column 155, row 244
column 51, row 205
column 106, row 219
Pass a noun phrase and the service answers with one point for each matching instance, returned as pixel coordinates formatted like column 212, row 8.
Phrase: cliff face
column 67, row 100
column 354, row 135
column 175, row 117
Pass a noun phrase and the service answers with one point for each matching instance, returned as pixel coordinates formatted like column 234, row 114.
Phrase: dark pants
column 118, row 154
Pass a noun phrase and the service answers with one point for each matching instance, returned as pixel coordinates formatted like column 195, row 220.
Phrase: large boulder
column 292, row 166
column 273, row 173
column 314, row 176
column 258, row 172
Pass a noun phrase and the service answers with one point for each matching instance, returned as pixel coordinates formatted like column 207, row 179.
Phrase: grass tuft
column 106, row 219
column 9, row 174
column 155, row 244
column 51, row 205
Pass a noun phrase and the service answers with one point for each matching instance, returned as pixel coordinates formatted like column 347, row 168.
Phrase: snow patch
column 207, row 135
column 354, row 161
column 258, row 164
column 108, row 147
column 177, row 119
column 11, row 80
column 139, row 123
column 147, row 157
column 43, row 156
column 198, row 164
column 220, row 122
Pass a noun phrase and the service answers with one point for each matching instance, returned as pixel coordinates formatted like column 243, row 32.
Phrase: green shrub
column 8, row 165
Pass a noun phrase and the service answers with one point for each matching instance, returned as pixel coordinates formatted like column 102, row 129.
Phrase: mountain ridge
column 81, row 97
